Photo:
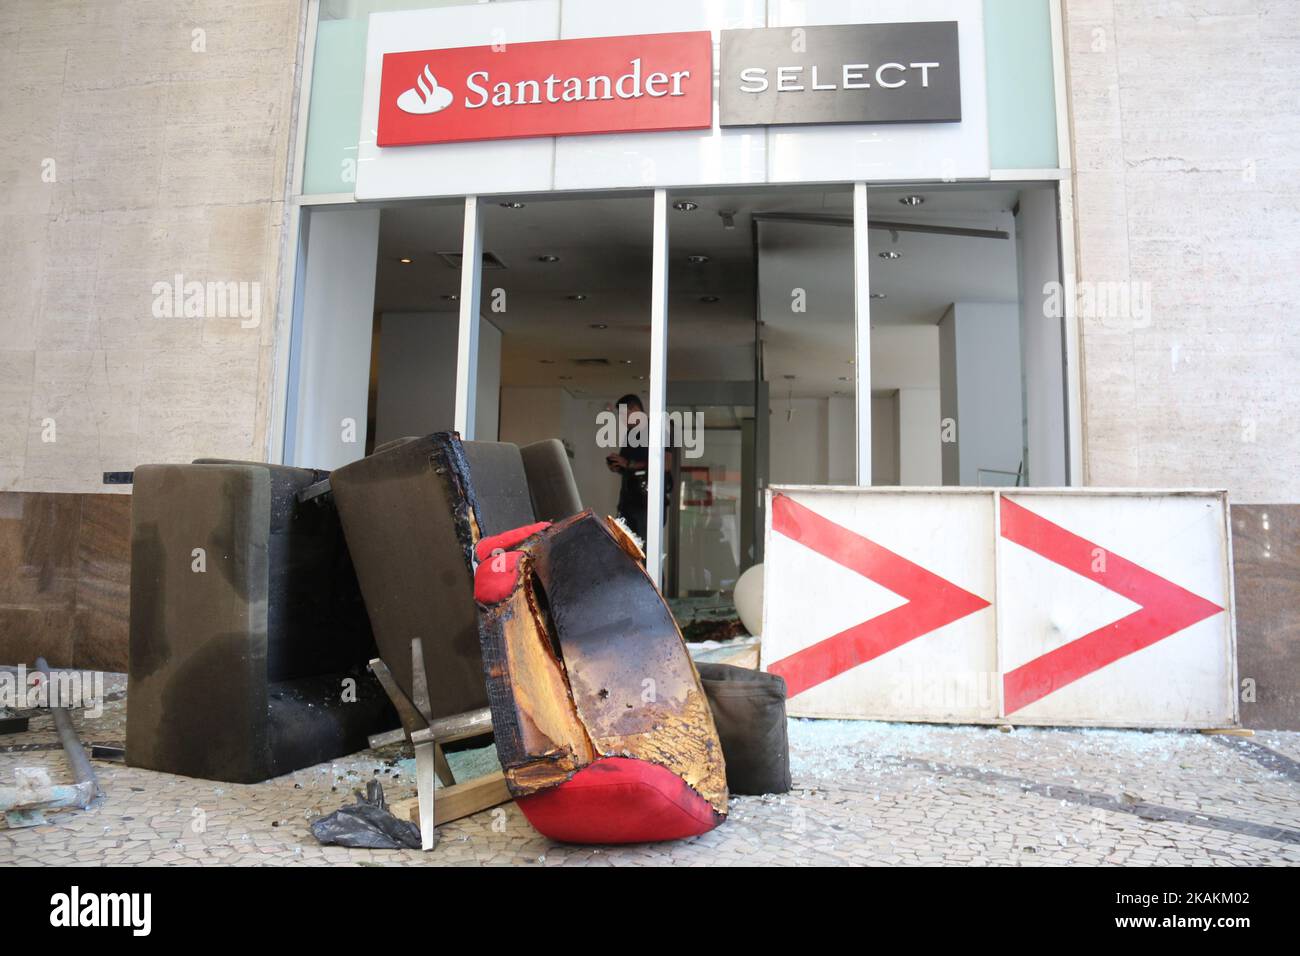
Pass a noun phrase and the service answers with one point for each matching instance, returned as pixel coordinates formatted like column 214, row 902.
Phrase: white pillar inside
column 330, row 374
column 862, row 330
column 471, row 283
column 1041, row 339
column 658, row 389
column 979, row 382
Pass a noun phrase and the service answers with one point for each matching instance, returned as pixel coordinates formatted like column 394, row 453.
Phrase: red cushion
column 494, row 578
column 507, row 539
column 620, row 800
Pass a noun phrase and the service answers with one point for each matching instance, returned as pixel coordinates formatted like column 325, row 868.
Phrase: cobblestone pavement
column 865, row 793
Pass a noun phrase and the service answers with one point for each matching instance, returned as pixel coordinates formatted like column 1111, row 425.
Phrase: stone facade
column 1186, row 155
column 146, row 139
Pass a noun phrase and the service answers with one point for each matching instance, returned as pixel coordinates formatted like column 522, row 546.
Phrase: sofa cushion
column 501, row 496
column 749, row 711
column 409, row 526
column 550, row 480
column 620, row 800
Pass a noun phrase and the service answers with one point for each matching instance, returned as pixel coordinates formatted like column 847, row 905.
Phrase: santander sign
column 626, row 84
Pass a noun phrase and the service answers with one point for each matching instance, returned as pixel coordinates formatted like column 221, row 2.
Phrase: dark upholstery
column 237, row 673
column 550, row 480
column 409, row 542
column 749, row 711
column 413, row 570
column 500, row 486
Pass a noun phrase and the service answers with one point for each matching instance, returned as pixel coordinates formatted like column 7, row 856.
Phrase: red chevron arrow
column 1165, row 608
column 932, row 602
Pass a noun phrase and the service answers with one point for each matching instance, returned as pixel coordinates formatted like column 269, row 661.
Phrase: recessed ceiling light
column 697, row 260
column 512, row 204
column 548, row 258
column 891, row 254
column 685, row 205
column 912, row 200
column 578, row 297
column 405, row 262
column 879, row 295
column 709, row 298
column 599, row 325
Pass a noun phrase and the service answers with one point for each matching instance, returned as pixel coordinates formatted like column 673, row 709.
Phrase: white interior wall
column 904, row 356
column 841, row 430
column 812, row 440
column 331, row 373
column 1040, row 336
column 884, row 439
column 529, row 414
column 416, row 392
column 488, row 412
column 980, row 390
column 798, row 441
column 920, row 457
column 597, row 484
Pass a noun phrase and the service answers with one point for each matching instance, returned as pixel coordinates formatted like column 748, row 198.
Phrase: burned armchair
column 602, row 725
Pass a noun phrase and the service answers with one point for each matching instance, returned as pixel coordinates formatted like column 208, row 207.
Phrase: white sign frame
column 1108, row 702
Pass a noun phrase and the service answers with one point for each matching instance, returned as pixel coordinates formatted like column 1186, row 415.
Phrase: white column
column 862, row 330
column 471, row 282
column 1041, row 340
column 1076, row 466
column 330, row 375
column 658, row 388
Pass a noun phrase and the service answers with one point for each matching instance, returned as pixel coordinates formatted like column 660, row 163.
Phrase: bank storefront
column 815, row 236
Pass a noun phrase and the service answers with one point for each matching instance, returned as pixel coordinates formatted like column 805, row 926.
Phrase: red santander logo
column 658, row 82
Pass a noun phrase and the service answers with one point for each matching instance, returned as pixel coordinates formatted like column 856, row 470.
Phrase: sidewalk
column 865, row 793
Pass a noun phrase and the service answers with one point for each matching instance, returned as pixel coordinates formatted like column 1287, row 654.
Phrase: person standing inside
column 632, row 464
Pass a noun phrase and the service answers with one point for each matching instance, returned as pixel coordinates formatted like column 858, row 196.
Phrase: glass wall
column 373, row 353
column 760, row 383
column 965, row 348
column 566, row 295
column 417, row 319
column 966, row 353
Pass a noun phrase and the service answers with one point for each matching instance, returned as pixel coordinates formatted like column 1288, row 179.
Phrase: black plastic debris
column 12, row 725
column 367, row 823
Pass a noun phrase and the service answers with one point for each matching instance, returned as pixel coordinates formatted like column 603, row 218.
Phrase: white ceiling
column 604, row 247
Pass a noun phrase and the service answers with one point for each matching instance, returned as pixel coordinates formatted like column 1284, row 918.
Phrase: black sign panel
column 857, row 73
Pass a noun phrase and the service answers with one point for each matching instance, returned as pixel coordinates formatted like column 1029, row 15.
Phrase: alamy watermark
column 1116, row 305
column 624, row 429
column 21, row 689
column 179, row 299
column 129, row 910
